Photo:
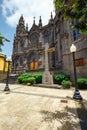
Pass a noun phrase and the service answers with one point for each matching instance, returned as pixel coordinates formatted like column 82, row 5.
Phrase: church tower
column 19, row 46
column 20, row 27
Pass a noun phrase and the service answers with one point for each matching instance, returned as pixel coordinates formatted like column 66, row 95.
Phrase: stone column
column 46, row 58
column 47, row 77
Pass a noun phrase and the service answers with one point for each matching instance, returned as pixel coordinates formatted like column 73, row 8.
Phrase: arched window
column 34, row 38
column 46, row 36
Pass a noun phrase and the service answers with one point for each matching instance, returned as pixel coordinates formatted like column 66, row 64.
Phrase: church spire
column 51, row 19
column 51, row 15
column 21, row 26
column 21, row 20
column 34, row 21
column 40, row 22
column 26, row 26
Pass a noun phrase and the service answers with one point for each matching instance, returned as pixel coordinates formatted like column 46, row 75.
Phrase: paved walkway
column 36, row 108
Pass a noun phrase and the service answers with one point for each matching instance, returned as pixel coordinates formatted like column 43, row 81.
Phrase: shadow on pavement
column 11, row 89
column 82, row 114
column 41, row 95
column 66, row 117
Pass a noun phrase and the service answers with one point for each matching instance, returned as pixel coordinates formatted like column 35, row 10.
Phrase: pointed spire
column 34, row 21
column 22, row 16
column 20, row 29
column 40, row 22
column 51, row 15
column 26, row 26
column 21, row 20
column 51, row 19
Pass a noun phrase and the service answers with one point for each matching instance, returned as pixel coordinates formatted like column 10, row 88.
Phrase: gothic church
column 28, row 47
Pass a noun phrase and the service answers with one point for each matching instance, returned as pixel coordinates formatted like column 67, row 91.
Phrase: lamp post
column 76, row 95
column 7, row 79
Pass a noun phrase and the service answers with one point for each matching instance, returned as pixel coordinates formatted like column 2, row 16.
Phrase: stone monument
column 47, row 77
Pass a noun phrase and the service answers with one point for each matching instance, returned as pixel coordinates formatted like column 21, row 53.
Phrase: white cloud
column 12, row 10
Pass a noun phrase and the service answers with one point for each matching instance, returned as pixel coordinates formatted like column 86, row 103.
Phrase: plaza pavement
column 37, row 108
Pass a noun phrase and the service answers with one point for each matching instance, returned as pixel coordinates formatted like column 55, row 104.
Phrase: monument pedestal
column 47, row 78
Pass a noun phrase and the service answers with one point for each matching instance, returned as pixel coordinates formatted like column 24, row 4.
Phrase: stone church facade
column 28, row 47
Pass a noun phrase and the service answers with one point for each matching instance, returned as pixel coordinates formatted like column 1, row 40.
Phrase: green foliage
column 1, row 43
column 24, row 77
column 20, row 79
column 82, row 83
column 76, row 10
column 29, row 78
column 2, row 39
column 38, row 77
column 60, row 77
column 66, row 84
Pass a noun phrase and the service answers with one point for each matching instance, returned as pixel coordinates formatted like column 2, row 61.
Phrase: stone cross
column 47, row 77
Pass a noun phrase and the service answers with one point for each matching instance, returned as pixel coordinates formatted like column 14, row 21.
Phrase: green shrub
column 28, row 78
column 82, row 83
column 31, row 80
column 25, row 80
column 23, row 77
column 60, row 77
column 20, row 79
column 38, row 77
column 66, row 84
column 26, row 75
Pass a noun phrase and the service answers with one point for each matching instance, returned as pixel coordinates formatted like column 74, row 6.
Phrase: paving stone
column 37, row 108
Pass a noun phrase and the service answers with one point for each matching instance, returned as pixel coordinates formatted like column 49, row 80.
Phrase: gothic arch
column 34, row 37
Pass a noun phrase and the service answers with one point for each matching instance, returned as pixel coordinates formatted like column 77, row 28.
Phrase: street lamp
column 76, row 95
column 7, row 79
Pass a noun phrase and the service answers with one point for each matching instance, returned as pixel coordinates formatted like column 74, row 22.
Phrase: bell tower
column 21, row 27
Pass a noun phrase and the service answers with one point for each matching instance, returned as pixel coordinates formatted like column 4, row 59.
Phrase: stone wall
column 3, row 75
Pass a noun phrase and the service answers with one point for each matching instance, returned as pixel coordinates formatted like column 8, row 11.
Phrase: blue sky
column 10, row 12
column 8, row 32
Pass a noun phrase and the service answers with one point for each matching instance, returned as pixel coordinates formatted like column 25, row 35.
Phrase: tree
column 2, row 39
column 75, row 10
